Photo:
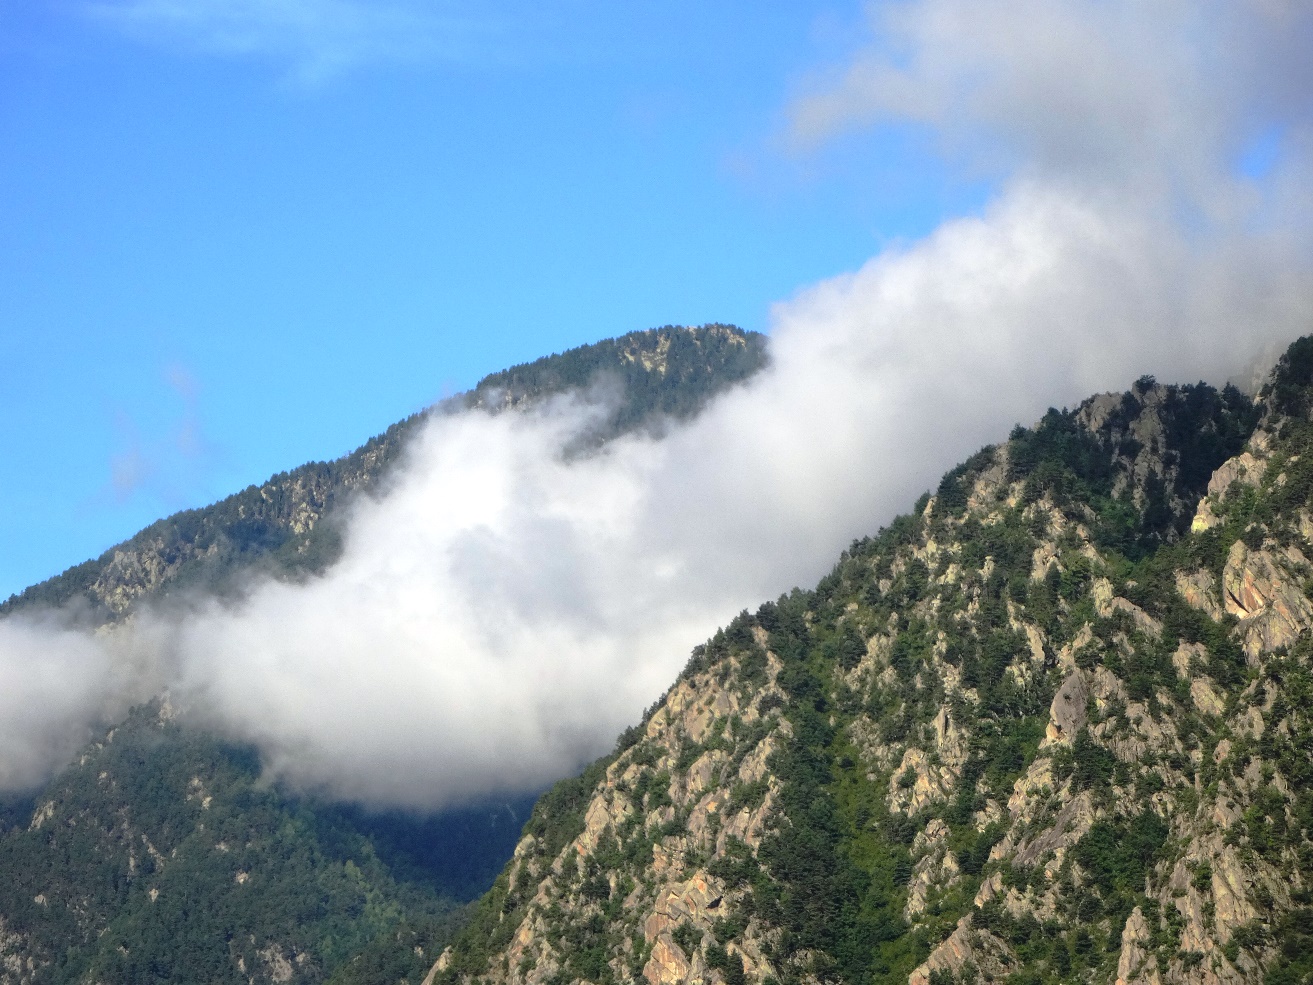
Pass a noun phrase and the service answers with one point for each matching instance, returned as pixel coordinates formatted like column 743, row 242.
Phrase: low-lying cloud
column 56, row 682
column 501, row 612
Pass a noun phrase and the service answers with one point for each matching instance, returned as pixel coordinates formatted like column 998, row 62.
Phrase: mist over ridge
column 501, row 611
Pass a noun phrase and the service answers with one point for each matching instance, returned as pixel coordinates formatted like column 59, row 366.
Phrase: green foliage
column 729, row 965
column 836, row 878
column 1294, row 964
column 688, row 937
column 392, row 956
column 1115, row 856
column 847, row 649
column 164, row 858
column 557, row 819
column 558, row 816
column 1291, row 388
column 955, row 486
column 1060, row 458
column 1202, row 427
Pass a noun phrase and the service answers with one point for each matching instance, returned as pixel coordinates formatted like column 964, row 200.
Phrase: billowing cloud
column 1155, row 96
column 501, row 612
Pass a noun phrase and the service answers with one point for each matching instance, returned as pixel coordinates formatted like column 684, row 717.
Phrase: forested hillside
column 279, row 526
column 1053, row 725
column 160, row 856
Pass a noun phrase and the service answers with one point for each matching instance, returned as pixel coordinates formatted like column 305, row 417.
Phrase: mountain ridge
column 1050, row 726
column 275, row 527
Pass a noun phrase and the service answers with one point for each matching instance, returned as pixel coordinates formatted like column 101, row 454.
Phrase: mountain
column 161, row 855
column 1054, row 725
column 286, row 526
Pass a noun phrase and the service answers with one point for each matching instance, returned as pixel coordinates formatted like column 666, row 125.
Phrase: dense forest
column 160, row 855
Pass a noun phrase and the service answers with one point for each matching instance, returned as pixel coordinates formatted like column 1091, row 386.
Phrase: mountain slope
column 665, row 372
column 162, row 855
column 1054, row 725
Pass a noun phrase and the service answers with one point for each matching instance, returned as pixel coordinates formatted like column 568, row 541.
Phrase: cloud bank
column 501, row 613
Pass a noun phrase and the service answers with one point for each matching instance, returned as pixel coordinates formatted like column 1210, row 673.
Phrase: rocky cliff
column 1053, row 725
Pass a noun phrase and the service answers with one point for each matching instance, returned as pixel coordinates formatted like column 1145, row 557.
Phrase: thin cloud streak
column 318, row 38
column 170, row 464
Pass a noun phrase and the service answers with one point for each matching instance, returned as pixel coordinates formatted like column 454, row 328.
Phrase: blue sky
column 241, row 236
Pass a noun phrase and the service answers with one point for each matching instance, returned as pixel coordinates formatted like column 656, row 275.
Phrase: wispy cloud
column 167, row 460
column 316, row 39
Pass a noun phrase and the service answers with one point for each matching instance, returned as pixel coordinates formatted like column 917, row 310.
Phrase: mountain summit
column 163, row 852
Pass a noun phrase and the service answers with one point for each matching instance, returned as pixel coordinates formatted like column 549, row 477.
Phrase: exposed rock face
column 18, row 966
column 694, row 790
column 683, row 904
column 936, row 869
column 1067, row 712
column 1261, row 588
column 1137, row 964
column 1245, row 470
column 1199, row 589
column 966, row 948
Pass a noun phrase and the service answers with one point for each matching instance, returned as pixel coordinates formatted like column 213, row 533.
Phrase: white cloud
column 56, row 682
column 500, row 613
column 1142, row 94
